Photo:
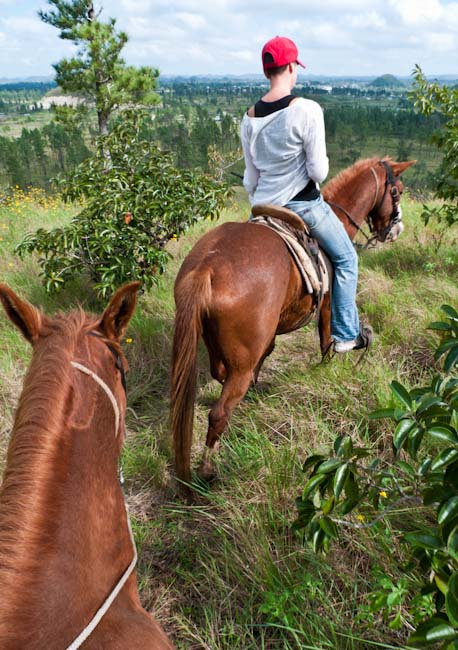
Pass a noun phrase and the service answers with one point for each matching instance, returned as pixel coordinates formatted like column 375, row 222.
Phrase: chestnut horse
column 239, row 288
column 66, row 549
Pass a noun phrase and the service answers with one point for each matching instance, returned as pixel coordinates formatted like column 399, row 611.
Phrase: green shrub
column 134, row 202
column 431, row 97
column 352, row 487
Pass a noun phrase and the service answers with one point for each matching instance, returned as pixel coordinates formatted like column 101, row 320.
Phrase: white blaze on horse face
column 397, row 228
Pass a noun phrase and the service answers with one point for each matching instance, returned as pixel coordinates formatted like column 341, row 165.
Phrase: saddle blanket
column 312, row 267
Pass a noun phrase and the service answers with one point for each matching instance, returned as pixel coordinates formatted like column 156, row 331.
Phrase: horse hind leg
column 217, row 367
column 234, row 389
column 268, row 351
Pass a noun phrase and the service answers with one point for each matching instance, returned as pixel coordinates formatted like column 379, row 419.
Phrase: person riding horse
column 283, row 140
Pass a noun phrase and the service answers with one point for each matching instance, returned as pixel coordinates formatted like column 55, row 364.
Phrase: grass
column 11, row 126
column 227, row 573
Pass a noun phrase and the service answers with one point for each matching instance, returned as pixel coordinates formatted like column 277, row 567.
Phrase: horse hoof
column 206, row 472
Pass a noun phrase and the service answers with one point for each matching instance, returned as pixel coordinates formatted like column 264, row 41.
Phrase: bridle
column 395, row 217
column 90, row 627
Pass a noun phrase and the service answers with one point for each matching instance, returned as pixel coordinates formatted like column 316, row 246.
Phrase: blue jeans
column 326, row 228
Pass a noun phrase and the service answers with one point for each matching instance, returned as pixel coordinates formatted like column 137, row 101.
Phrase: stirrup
column 365, row 338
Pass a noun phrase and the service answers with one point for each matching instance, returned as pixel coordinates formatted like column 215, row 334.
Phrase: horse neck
column 62, row 517
column 357, row 198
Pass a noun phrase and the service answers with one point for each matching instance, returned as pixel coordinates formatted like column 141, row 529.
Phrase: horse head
column 385, row 216
column 61, row 504
column 77, row 341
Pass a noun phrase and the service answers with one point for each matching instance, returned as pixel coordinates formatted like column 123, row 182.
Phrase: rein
column 90, row 627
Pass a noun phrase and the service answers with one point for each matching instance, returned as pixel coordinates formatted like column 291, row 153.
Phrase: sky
column 216, row 37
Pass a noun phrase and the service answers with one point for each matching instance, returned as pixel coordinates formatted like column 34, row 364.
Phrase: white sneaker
column 363, row 340
column 345, row 346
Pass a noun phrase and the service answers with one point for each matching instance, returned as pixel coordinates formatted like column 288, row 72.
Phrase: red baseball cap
column 279, row 51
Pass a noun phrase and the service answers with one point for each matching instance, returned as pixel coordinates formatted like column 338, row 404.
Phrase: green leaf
column 329, row 527
column 434, row 494
column 439, row 325
column 408, row 469
column 423, row 540
column 415, row 437
column 328, row 506
column 312, row 460
column 451, row 599
column 305, row 506
column 443, row 432
column 448, row 510
column 401, row 393
column 452, row 359
column 442, row 582
column 312, row 484
column 329, row 465
column 337, row 443
column 452, row 543
column 448, row 309
column 432, row 631
column 425, row 467
column 348, row 505
column 444, row 458
column 351, row 488
column 317, row 540
column 401, row 432
column 339, row 479
column 346, row 448
column 426, row 403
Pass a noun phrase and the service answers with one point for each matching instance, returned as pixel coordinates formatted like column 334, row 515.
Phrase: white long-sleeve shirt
column 283, row 151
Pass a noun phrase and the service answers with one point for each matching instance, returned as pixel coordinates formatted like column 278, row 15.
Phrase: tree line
column 187, row 125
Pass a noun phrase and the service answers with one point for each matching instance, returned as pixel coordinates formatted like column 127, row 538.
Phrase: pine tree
column 97, row 75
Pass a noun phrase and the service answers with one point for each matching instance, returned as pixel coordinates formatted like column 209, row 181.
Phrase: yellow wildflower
column 383, row 494
column 129, row 339
column 360, row 518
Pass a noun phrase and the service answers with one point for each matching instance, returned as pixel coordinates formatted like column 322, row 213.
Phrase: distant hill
column 387, row 81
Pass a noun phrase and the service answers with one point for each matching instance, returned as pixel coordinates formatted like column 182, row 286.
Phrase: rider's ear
column 399, row 167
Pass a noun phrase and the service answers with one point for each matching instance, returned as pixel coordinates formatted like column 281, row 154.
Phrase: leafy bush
column 432, row 98
column 134, row 201
column 351, row 487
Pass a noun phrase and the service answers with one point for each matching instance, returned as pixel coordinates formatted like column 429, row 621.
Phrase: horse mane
column 346, row 176
column 27, row 500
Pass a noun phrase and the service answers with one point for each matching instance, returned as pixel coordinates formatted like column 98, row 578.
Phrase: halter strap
column 105, row 387
column 376, row 189
column 90, row 627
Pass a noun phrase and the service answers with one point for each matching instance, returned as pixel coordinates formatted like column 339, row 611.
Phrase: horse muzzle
column 396, row 229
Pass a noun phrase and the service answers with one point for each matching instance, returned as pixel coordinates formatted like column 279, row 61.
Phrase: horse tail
column 192, row 298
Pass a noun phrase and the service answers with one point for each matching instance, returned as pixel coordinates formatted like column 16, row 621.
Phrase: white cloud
column 416, row 12
column 226, row 36
column 371, row 19
column 194, row 21
column 441, row 42
column 243, row 55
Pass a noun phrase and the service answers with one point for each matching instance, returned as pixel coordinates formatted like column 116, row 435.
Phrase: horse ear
column 399, row 167
column 27, row 318
column 119, row 311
